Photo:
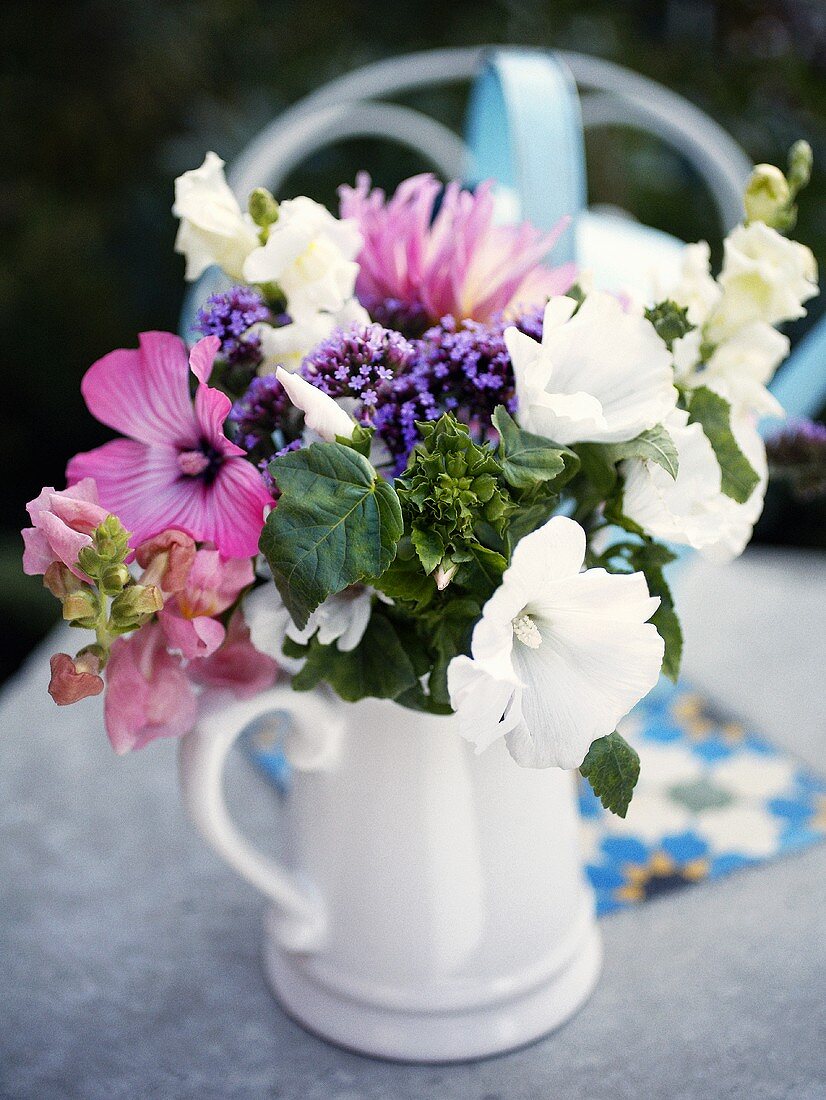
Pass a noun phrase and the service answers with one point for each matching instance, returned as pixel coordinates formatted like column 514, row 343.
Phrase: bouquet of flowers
column 408, row 459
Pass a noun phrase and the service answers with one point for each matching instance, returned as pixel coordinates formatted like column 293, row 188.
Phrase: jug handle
column 312, row 745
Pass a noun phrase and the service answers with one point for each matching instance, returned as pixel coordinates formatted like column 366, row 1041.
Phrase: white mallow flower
column 765, row 277
column 599, row 376
column 289, row 345
column 342, row 619
column 322, row 414
column 684, row 509
column 310, row 255
column 559, row 656
column 213, row 229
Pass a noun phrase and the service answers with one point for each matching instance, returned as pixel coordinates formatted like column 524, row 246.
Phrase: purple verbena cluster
column 260, row 415
column 358, row 362
column 229, row 316
column 461, row 367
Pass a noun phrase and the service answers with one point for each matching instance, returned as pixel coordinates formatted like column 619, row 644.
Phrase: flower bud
column 134, row 605
column 81, row 608
column 72, row 680
column 800, row 165
column 113, row 579
column 443, row 575
column 262, row 207
column 767, row 195
column 61, row 581
column 166, row 560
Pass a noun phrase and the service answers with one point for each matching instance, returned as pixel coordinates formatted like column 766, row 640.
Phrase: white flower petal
column 321, row 413
column 486, row 704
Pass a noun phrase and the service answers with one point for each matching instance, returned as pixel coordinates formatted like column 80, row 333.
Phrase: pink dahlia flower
column 148, row 694
column 177, row 469
column 63, row 524
column 459, row 262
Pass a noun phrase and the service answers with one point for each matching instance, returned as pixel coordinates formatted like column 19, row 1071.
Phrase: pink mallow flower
column 458, row 262
column 237, row 666
column 212, row 585
column 148, row 694
column 177, row 469
column 63, row 524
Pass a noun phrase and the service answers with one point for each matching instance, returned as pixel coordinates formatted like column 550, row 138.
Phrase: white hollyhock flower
column 684, row 509
column 213, row 229
column 765, row 277
column 342, row 619
column 322, row 414
column 310, row 255
column 600, row 376
column 559, row 656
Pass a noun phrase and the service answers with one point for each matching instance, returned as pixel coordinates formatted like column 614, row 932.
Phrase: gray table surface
column 129, row 954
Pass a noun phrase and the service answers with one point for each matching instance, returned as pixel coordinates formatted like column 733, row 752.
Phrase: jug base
column 416, row 1033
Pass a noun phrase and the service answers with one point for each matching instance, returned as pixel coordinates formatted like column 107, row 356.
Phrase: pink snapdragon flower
column 458, row 263
column 177, row 469
column 148, row 694
column 74, row 678
column 63, row 524
column 212, row 585
column 237, row 667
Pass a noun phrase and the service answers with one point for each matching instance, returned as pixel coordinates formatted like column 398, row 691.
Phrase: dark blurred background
column 103, row 104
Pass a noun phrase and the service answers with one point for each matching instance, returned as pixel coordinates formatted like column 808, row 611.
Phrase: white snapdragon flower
column 559, row 655
column 213, row 229
column 322, row 414
column 310, row 255
column 697, row 291
column 765, row 277
column 342, row 619
column 745, row 363
column 685, row 509
column 289, row 345
column 601, row 375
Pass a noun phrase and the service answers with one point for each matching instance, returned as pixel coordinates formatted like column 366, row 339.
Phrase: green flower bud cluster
column 670, row 321
column 110, row 602
column 451, row 485
column 770, row 195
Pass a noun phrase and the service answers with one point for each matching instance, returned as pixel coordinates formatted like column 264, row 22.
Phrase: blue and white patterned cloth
column 712, row 797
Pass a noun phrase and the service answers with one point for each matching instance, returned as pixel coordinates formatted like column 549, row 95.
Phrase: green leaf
column 596, row 479
column 448, row 631
column 612, row 768
column 337, row 522
column 526, row 458
column 428, row 546
column 655, row 445
column 405, row 580
column 379, row 666
column 481, row 570
column 650, row 557
column 713, row 413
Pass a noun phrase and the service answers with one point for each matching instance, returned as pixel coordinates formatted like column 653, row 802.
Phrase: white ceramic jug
column 435, row 907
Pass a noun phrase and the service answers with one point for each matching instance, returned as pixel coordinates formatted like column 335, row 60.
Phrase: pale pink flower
column 166, row 560
column 63, row 524
column 458, row 262
column 75, row 678
column 177, row 469
column 237, row 666
column 148, row 694
column 212, row 585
